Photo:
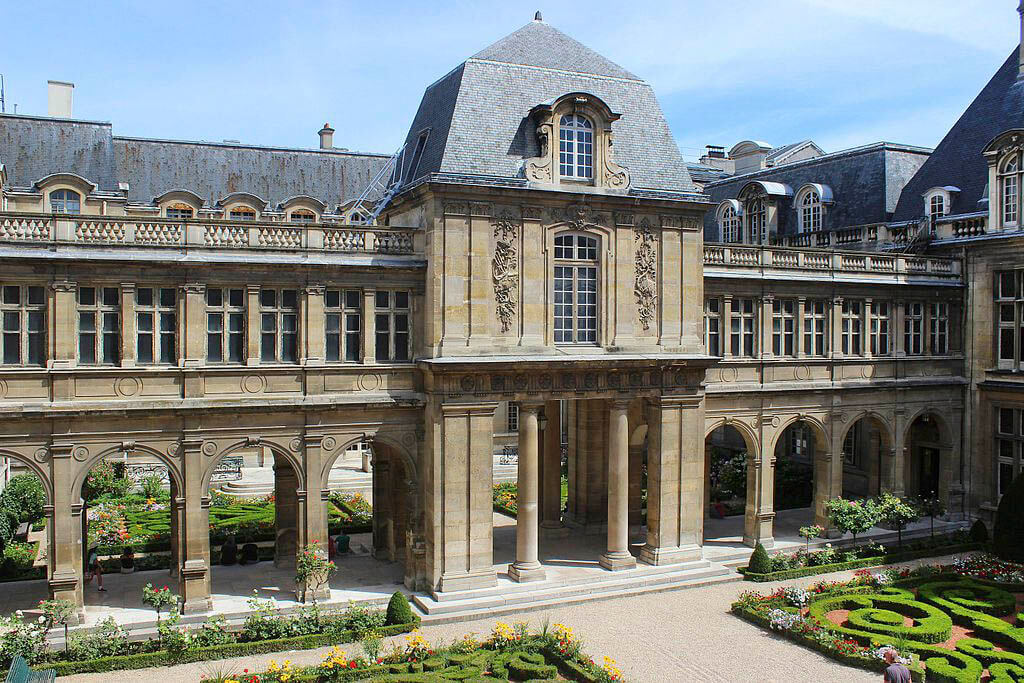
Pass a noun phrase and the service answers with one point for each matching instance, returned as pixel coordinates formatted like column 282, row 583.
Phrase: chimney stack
column 327, row 137
column 59, row 98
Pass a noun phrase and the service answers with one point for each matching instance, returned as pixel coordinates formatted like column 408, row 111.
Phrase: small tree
column 759, row 562
column 312, row 570
column 399, row 610
column 158, row 598
column 852, row 516
column 896, row 513
column 809, row 532
column 933, row 507
column 979, row 532
column 58, row 612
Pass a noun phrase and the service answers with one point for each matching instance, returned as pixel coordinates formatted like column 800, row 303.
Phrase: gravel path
column 683, row 635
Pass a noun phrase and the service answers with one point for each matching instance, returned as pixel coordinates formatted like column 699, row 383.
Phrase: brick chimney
column 327, row 136
column 58, row 97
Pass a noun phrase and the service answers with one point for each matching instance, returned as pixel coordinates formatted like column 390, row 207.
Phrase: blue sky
column 272, row 73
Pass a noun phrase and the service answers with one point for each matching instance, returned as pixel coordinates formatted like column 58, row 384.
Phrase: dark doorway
column 928, row 472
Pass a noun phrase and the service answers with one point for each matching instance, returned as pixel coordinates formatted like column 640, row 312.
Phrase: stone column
column 253, row 322
column 286, row 504
column 175, row 531
column 551, row 510
column 675, row 479
column 899, row 453
column 192, row 324
column 312, row 507
column 128, row 324
column 64, row 533
column 527, row 567
column 383, row 514
column 369, row 326
column 312, row 322
column 828, row 475
column 617, row 556
column 195, row 531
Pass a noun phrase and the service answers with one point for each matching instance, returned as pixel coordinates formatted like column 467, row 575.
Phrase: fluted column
column 617, row 556
column 527, row 567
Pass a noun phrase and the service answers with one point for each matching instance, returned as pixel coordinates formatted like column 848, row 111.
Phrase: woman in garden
column 95, row 569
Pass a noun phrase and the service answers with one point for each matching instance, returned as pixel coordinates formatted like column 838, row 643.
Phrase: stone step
column 538, row 597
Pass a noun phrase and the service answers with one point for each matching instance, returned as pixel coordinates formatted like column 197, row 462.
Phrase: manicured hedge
column 787, row 574
column 213, row 652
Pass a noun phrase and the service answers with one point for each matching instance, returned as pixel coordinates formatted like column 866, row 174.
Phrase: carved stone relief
column 645, row 286
column 505, row 269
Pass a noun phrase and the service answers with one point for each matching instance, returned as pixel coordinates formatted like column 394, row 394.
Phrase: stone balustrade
column 26, row 228
column 720, row 260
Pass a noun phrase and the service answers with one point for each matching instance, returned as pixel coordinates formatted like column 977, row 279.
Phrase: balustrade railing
column 787, row 258
column 150, row 232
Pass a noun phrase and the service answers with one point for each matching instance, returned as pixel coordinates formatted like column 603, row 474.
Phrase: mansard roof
column 958, row 159
column 33, row 147
column 477, row 117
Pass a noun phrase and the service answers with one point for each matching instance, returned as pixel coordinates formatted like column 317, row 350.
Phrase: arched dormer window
column 575, row 288
column 65, row 201
column 937, row 206
column 576, row 147
column 729, row 215
column 242, row 213
column 756, row 212
column 1009, row 190
column 179, row 211
column 810, row 212
column 302, row 216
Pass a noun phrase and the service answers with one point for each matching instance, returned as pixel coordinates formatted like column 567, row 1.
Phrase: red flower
column 352, row 664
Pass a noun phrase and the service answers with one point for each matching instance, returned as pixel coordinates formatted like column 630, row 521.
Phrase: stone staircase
column 509, row 596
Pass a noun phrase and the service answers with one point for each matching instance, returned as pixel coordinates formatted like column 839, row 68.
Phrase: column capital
column 530, row 406
column 252, row 288
column 314, row 290
column 193, row 288
column 64, row 286
column 127, row 287
column 619, row 403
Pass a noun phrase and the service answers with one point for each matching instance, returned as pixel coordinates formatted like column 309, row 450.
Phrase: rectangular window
column 22, row 324
column 391, row 319
column 938, row 327
column 513, row 417
column 741, row 328
column 156, row 324
column 1009, row 444
column 279, row 325
column 178, row 213
column 575, row 304
column 815, row 328
column 853, row 327
column 713, row 326
column 344, row 322
column 879, row 332
column 913, row 328
column 225, row 325
column 99, row 325
column 783, row 327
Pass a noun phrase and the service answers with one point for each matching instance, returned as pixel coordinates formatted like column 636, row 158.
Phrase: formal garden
column 961, row 622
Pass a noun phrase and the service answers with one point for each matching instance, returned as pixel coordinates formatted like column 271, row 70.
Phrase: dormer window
column 179, row 211
column 729, row 221
column 302, row 216
column 810, row 212
column 65, row 201
column 937, row 206
column 242, row 213
column 576, row 147
column 1009, row 190
column 757, row 220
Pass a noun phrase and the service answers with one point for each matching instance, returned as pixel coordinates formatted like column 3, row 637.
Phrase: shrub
column 152, row 486
column 399, row 610
column 1009, row 528
column 109, row 640
column 896, row 513
column 979, row 532
column 760, row 562
column 313, row 570
column 852, row 516
column 105, row 480
column 25, row 496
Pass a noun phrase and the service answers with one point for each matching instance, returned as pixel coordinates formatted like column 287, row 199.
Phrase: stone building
column 548, row 249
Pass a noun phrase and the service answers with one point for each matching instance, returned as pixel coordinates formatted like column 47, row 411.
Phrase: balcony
column 771, row 262
column 161, row 233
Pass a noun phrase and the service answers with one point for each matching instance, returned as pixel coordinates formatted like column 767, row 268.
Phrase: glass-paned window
column 1009, row 442
column 302, row 216
column 156, row 323
column 225, row 325
column 853, row 327
column 1009, row 190
column 575, row 289
column 713, row 326
column 344, row 324
column 937, row 206
column 913, row 328
column 800, row 441
column 242, row 213
column 810, row 212
column 23, row 325
column 815, row 327
column 65, row 201
column 938, row 327
column 576, row 147
column 179, row 212
column 1009, row 308
column 851, row 447
column 392, row 318
column 742, row 327
column 757, row 221
column 513, row 417
column 279, row 325
column 879, row 332
column 783, row 327
column 99, row 325
column 729, row 225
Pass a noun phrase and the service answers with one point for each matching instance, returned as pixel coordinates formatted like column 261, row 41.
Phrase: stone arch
column 83, row 471
column 928, row 463
column 277, row 449
column 878, row 418
column 943, row 421
column 347, row 441
column 746, row 431
column 30, row 463
column 873, row 474
column 822, row 438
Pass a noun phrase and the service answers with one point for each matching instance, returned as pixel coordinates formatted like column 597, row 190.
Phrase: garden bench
column 20, row 673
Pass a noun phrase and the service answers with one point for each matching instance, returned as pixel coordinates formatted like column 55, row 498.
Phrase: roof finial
column 538, row 16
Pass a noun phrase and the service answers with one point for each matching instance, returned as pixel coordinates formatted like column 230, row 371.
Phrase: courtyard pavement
column 684, row 635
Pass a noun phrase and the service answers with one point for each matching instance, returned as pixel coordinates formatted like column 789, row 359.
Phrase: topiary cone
column 1009, row 528
column 399, row 610
column 759, row 563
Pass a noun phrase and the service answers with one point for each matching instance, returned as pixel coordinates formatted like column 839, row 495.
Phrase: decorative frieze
column 645, row 285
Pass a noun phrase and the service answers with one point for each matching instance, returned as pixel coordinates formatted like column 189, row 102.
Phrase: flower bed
column 265, row 630
column 801, row 563
column 511, row 653
column 505, row 498
column 949, row 625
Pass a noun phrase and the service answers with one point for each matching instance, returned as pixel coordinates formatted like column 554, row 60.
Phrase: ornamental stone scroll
column 645, row 285
column 505, row 268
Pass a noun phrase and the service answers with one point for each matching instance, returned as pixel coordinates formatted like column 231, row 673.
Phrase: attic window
column 417, row 154
column 1009, row 190
column 243, row 213
column 576, row 147
column 810, row 212
column 65, row 201
column 937, row 206
column 179, row 212
column 302, row 216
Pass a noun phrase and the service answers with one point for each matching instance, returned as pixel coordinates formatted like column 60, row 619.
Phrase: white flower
column 19, row 613
column 41, row 619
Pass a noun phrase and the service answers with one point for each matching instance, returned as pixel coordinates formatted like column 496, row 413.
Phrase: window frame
column 743, row 327
column 1009, row 190
column 228, row 313
column 852, row 332
column 713, row 326
column 815, row 328
column 61, row 200
column 1014, row 441
column 938, row 328
column 575, row 131
column 784, row 313
column 280, row 337
column 729, row 221
column 394, row 313
column 104, row 331
column 913, row 328
column 1008, row 319
column 26, row 341
column 243, row 213
column 159, row 334
column 337, row 318
column 756, row 220
column 512, row 417
column 880, row 328
column 576, row 261
column 810, row 212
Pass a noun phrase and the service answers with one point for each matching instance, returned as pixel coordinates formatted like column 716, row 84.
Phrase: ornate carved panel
column 505, row 268
column 645, row 285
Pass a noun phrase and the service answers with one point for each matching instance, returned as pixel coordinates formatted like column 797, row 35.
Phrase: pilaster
column 63, row 329
column 253, row 329
column 312, row 326
column 195, row 531
column 128, row 325
column 192, row 324
column 369, row 326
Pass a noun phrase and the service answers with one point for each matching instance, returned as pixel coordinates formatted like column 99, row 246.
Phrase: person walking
column 95, row 569
column 896, row 672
